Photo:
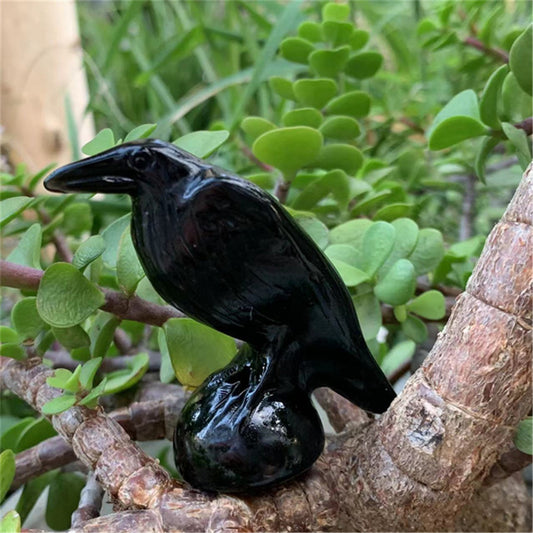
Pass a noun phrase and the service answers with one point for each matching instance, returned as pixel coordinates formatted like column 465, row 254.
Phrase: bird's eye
column 141, row 161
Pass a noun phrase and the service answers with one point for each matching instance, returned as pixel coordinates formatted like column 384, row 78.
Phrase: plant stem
column 494, row 52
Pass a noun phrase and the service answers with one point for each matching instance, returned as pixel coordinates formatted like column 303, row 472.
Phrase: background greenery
column 394, row 132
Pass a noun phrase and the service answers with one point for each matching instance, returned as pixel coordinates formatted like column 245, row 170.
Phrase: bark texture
column 420, row 467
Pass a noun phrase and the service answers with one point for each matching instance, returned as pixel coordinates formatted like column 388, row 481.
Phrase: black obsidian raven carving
column 226, row 253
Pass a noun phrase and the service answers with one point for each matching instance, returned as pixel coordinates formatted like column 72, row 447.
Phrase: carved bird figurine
column 226, row 253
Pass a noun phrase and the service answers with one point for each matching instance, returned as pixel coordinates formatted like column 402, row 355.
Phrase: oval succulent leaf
column 65, row 297
column 354, row 104
column 398, row 285
column 340, row 156
column 288, row 149
column 305, row 116
column 256, row 126
column 363, row 65
column 315, row 92
column 341, row 128
column 329, row 63
column 520, row 60
column 296, row 49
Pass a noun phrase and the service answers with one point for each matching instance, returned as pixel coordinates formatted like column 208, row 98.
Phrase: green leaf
column 91, row 400
column 256, row 126
column 488, row 104
column 487, row 146
column 428, row 252
column 351, row 232
column 393, row 211
column 288, row 149
column 103, row 140
column 28, row 250
column 282, row 86
column 13, row 351
column 101, row 333
column 59, row 404
column 521, row 61
column 31, row 493
column 415, row 329
column 296, row 49
column 329, row 63
column 140, row 132
column 77, row 218
column 305, row 116
column 26, row 319
column 339, row 156
column 111, row 236
column 345, row 253
column 342, row 128
column 469, row 248
column 354, row 104
column 196, row 351
column 59, row 379
column 337, row 33
column 312, row 31
column 120, row 380
column 515, row 102
column 63, row 499
column 316, row 229
column 358, row 39
column 315, row 92
column 129, row 268
column 398, row 355
column 398, row 285
column 166, row 372
column 39, row 430
column 8, row 335
column 378, row 242
column 350, row 275
column 523, row 438
column 400, row 313
column 363, row 65
column 88, row 251
column 12, row 207
column 334, row 11
column 404, row 242
column 10, row 436
column 65, row 297
column 88, row 371
column 369, row 314
column 457, row 121
column 72, row 337
column 520, row 141
column 7, row 472
column 335, row 182
column 10, row 522
column 202, row 143
column 430, row 305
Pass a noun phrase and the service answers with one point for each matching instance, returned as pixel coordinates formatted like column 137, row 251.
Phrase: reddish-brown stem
column 526, row 125
column 497, row 53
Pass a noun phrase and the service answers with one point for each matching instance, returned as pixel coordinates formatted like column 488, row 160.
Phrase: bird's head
column 127, row 169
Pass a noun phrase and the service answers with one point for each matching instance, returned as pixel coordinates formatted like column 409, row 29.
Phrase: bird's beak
column 106, row 172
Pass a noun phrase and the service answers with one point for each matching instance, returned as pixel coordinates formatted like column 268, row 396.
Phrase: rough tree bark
column 419, row 467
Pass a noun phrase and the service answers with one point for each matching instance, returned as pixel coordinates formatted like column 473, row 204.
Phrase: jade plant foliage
column 393, row 133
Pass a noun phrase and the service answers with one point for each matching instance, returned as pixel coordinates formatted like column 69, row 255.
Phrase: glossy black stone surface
column 226, row 253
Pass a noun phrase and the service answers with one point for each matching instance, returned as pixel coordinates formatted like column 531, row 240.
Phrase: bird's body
column 225, row 252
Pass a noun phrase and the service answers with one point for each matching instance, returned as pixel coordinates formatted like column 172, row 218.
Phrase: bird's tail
column 354, row 375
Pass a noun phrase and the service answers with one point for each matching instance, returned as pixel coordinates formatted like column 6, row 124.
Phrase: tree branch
column 90, row 502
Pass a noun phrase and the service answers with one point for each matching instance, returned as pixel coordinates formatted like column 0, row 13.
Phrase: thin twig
column 90, row 502
column 526, row 125
column 497, row 53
